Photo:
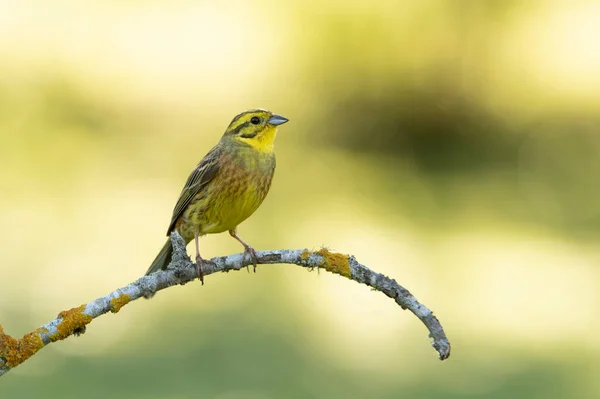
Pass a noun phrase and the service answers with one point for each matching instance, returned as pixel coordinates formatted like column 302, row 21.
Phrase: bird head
column 256, row 128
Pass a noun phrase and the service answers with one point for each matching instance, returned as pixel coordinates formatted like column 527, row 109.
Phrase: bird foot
column 252, row 253
column 199, row 262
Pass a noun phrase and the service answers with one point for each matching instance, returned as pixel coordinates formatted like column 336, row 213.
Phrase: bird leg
column 247, row 249
column 199, row 260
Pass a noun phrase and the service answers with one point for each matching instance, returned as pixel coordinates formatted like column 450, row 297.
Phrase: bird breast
column 236, row 192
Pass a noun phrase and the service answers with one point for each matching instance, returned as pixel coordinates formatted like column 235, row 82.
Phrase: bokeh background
column 452, row 145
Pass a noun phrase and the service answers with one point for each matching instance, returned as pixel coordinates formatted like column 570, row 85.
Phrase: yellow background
column 452, row 145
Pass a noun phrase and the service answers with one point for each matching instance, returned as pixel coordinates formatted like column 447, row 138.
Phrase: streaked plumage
column 228, row 185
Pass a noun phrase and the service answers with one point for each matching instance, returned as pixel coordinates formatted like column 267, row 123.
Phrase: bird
column 227, row 186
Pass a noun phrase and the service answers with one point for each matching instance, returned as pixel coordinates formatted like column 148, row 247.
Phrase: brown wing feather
column 198, row 179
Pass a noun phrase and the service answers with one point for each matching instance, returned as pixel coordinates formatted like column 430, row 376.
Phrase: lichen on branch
column 14, row 351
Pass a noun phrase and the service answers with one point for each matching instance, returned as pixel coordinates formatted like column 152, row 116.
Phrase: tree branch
column 15, row 351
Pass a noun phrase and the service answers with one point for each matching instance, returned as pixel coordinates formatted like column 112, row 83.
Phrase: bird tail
column 163, row 258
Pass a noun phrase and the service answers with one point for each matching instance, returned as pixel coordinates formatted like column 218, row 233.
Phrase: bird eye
column 255, row 120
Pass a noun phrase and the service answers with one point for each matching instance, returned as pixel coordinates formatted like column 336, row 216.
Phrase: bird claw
column 252, row 253
column 199, row 262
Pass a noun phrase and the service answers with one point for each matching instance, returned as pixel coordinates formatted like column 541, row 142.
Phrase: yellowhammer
column 227, row 186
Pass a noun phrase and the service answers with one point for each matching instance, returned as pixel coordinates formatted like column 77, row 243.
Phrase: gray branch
column 181, row 271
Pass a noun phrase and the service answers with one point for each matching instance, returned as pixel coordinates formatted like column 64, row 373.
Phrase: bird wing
column 198, row 179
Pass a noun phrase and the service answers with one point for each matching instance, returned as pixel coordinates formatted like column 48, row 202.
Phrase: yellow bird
column 227, row 186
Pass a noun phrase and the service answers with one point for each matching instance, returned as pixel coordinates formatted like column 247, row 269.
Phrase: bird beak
column 277, row 120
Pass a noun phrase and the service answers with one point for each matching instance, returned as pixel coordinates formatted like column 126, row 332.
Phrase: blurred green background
column 452, row 145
